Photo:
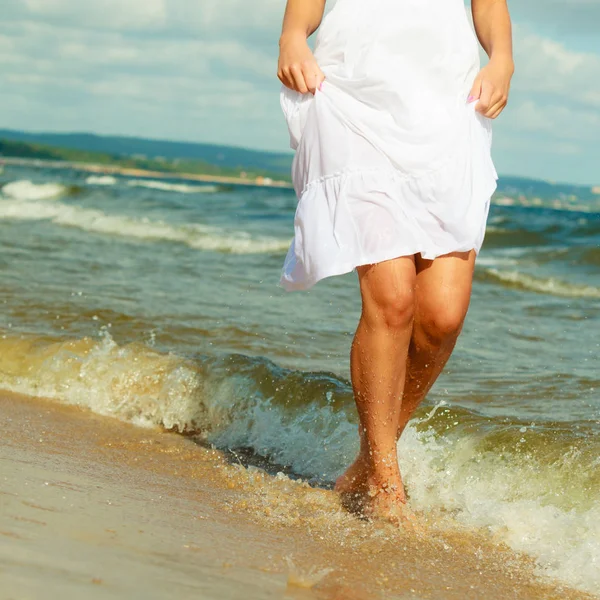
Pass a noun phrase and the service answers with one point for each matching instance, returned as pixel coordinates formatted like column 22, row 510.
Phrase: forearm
column 493, row 27
column 302, row 17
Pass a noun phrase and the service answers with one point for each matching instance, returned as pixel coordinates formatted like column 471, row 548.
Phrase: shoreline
column 94, row 507
column 99, row 169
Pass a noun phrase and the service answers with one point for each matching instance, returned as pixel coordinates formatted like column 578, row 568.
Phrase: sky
column 205, row 71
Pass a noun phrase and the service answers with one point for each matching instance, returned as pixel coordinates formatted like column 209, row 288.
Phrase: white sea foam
column 26, row 190
column 509, row 498
column 101, row 180
column 181, row 188
column 517, row 498
column 495, row 261
column 504, row 201
column 549, row 285
column 573, row 204
column 194, row 235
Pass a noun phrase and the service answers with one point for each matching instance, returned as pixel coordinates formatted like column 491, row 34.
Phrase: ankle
column 381, row 469
column 377, row 458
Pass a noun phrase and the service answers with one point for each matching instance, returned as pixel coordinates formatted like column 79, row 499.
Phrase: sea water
column 156, row 302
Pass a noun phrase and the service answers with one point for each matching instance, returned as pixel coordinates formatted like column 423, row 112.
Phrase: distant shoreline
column 100, row 169
column 251, row 181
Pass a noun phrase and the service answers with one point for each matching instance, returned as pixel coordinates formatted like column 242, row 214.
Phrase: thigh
column 443, row 287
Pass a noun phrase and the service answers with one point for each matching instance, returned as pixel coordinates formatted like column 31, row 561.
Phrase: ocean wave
column 533, row 486
column 590, row 256
column 500, row 237
column 496, row 261
column 528, row 488
column 101, row 180
column 570, row 205
column 26, row 190
column 180, row 188
column 194, row 235
column 504, row 201
column 536, row 228
column 571, row 255
column 542, row 285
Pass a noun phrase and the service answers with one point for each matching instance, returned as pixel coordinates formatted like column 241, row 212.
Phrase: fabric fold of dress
column 391, row 160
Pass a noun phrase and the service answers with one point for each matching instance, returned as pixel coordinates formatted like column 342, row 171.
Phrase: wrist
column 503, row 59
column 291, row 35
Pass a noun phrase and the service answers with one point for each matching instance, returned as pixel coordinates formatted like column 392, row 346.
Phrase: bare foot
column 373, row 495
column 386, row 502
column 352, row 486
column 354, row 479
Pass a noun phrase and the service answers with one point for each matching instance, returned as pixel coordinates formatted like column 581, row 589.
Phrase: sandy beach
column 96, row 508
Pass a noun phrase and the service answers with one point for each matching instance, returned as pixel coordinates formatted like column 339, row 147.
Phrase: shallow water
column 157, row 302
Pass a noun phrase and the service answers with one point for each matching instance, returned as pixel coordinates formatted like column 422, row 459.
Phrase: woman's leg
column 378, row 361
column 442, row 294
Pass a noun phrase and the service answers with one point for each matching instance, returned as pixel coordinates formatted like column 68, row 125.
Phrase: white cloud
column 561, row 16
column 200, row 17
column 80, row 70
column 552, row 123
column 112, row 14
column 549, row 67
column 557, row 122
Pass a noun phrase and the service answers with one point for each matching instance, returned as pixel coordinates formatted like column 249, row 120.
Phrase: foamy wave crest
column 573, row 205
column 194, row 235
column 180, row 188
column 533, row 491
column 530, row 283
column 234, row 401
column 101, row 180
column 533, row 487
column 503, row 201
column 26, row 190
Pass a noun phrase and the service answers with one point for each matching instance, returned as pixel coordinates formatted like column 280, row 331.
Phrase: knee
column 442, row 324
column 391, row 308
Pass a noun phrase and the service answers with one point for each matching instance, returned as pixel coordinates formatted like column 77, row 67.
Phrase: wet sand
column 95, row 508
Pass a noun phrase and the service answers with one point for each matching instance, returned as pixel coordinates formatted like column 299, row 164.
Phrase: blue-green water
column 158, row 303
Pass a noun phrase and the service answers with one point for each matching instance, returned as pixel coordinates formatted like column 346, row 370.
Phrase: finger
column 485, row 99
column 313, row 76
column 495, row 110
column 320, row 79
column 298, row 79
column 309, row 72
column 475, row 90
column 285, row 78
column 497, row 106
column 497, row 103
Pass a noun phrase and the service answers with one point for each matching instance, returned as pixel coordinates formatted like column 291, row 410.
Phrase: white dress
column 391, row 160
